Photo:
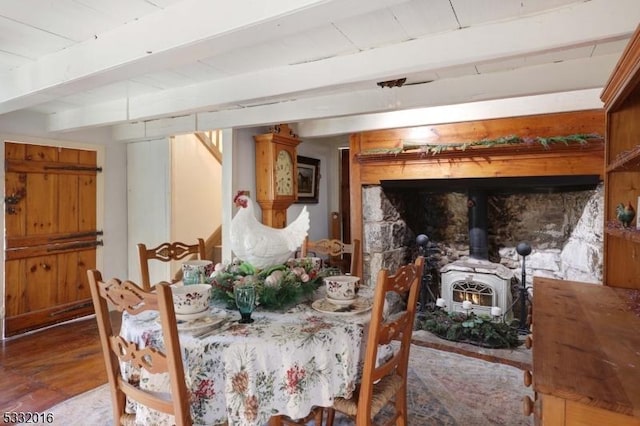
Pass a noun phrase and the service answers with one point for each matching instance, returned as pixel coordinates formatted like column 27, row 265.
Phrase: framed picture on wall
column 308, row 178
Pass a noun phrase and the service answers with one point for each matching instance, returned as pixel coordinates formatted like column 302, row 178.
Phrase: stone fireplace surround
column 564, row 230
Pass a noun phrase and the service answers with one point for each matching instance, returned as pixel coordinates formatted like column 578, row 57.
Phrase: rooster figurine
column 261, row 245
column 625, row 214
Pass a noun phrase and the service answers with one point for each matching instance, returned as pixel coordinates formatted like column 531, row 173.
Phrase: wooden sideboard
column 586, row 354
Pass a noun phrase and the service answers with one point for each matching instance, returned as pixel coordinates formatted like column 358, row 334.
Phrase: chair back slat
column 167, row 252
column 159, row 401
column 335, row 249
column 128, row 297
column 149, row 358
column 393, row 329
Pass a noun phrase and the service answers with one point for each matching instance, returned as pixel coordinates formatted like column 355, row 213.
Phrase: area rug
column 444, row 389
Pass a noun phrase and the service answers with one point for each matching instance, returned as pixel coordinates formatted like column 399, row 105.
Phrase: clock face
column 284, row 174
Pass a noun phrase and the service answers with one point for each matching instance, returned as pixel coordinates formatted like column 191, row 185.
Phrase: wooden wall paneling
column 41, row 204
column 68, row 211
column 553, row 410
column 41, row 153
column 619, row 269
column 87, row 193
column 345, row 199
column 67, row 208
column 623, row 189
column 551, row 163
column 557, row 124
column 355, row 190
column 15, row 279
column 584, row 414
column 86, row 260
column 41, row 282
column 14, row 151
column 623, row 126
column 67, row 277
column 72, row 275
column 68, row 155
column 87, row 203
column 15, row 214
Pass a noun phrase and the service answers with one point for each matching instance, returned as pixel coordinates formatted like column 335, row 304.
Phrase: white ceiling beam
column 566, row 76
column 181, row 33
column 469, row 111
column 469, row 46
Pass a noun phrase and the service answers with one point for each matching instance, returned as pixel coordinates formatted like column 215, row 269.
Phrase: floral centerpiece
column 277, row 287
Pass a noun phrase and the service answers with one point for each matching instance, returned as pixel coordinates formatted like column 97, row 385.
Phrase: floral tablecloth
column 283, row 363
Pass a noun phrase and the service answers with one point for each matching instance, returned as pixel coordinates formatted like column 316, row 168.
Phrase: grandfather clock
column 276, row 174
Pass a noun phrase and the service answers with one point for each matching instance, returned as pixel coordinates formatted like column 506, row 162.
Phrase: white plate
column 357, row 306
column 211, row 318
column 191, row 317
column 341, row 302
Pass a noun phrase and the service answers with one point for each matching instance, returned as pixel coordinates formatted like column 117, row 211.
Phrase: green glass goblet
column 245, row 301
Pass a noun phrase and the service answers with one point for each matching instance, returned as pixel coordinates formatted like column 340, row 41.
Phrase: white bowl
column 342, row 287
column 191, row 299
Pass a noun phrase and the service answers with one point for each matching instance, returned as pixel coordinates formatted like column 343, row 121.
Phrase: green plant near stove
column 478, row 330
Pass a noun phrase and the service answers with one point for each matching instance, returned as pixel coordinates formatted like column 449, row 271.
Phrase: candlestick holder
column 467, row 306
column 523, row 249
column 496, row 313
column 427, row 296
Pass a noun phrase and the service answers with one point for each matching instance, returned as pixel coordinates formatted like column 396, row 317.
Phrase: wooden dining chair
column 387, row 382
column 166, row 252
column 335, row 250
column 127, row 296
column 316, row 415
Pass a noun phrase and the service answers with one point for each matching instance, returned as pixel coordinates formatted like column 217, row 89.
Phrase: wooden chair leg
column 275, row 421
column 401, row 407
column 331, row 414
column 317, row 415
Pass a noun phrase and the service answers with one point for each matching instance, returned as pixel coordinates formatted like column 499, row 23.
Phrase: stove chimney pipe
column 478, row 243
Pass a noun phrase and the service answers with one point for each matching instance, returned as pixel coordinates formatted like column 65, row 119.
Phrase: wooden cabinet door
column 51, row 235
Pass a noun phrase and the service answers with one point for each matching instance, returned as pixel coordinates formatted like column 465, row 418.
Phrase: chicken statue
column 625, row 214
column 261, row 245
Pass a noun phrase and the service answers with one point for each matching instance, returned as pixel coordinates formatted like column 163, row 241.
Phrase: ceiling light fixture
column 392, row 83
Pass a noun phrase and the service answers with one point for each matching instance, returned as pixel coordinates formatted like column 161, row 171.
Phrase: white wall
column 196, row 194
column 149, row 201
column 328, row 188
column 238, row 150
column 115, row 250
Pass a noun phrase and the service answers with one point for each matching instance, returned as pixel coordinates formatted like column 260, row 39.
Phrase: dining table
column 285, row 362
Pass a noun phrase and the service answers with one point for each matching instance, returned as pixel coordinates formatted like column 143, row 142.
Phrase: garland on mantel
column 433, row 149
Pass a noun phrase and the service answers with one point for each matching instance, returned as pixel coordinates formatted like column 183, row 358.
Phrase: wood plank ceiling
column 218, row 64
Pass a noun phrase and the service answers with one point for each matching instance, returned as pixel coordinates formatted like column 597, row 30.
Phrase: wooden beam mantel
column 504, row 161
column 519, row 160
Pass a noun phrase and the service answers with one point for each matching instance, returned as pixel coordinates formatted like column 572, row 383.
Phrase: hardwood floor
column 41, row 369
